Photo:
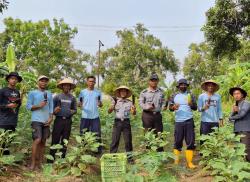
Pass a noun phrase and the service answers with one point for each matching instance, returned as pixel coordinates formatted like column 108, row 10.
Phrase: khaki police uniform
column 152, row 119
column 122, row 125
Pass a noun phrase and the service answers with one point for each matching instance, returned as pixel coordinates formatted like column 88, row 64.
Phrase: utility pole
column 99, row 62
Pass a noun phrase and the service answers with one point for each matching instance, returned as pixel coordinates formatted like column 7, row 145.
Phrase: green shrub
column 148, row 162
column 78, row 158
column 6, row 137
column 223, row 154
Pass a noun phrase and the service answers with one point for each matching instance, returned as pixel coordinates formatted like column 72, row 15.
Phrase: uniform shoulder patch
column 128, row 100
column 160, row 89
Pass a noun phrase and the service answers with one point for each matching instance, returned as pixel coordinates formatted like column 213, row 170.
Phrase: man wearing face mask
column 183, row 103
column 151, row 101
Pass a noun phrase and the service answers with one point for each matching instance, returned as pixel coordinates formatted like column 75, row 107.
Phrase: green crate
column 113, row 167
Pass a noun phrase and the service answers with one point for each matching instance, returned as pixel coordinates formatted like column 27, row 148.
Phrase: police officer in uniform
column 151, row 101
column 122, row 107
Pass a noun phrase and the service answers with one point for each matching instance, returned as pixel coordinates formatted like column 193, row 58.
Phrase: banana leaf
column 10, row 58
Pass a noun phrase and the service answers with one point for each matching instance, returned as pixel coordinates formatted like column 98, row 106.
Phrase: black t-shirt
column 67, row 103
column 9, row 116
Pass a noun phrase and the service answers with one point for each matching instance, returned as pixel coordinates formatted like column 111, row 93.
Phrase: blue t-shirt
column 184, row 112
column 35, row 98
column 214, row 113
column 90, row 103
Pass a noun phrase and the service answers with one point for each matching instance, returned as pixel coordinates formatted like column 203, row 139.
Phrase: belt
column 152, row 112
column 63, row 117
column 124, row 119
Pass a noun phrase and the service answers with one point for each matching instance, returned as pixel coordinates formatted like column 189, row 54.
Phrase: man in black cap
column 151, row 101
column 10, row 102
column 241, row 117
column 182, row 103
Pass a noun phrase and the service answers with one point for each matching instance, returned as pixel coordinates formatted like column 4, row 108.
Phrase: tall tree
column 200, row 65
column 228, row 22
column 3, row 5
column 44, row 48
column 134, row 58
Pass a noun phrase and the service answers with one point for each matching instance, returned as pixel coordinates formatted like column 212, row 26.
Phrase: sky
column 176, row 23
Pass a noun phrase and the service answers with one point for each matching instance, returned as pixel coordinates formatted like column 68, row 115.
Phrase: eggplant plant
column 6, row 137
column 224, row 155
column 79, row 157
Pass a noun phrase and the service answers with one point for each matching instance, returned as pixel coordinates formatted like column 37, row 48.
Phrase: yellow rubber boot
column 177, row 156
column 189, row 158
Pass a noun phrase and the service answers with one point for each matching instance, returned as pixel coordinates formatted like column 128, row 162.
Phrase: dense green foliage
column 136, row 56
column 226, row 46
column 227, row 24
column 78, row 158
column 223, row 154
column 200, row 65
column 44, row 48
column 237, row 75
column 5, row 139
column 3, row 5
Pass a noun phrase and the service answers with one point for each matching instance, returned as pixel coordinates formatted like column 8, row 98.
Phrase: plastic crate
column 113, row 167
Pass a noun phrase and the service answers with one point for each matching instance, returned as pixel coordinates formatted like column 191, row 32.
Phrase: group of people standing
column 43, row 106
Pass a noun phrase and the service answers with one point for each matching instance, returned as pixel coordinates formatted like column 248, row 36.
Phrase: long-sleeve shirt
column 90, row 103
column 35, row 98
column 9, row 116
column 149, row 97
column 184, row 112
column 214, row 113
column 67, row 103
column 242, row 118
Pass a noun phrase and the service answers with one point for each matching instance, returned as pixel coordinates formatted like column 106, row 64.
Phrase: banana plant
column 11, row 58
column 9, row 64
column 238, row 75
column 3, row 72
column 29, row 79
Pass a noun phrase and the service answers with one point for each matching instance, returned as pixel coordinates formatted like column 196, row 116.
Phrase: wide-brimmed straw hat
column 66, row 81
column 117, row 91
column 204, row 85
column 231, row 91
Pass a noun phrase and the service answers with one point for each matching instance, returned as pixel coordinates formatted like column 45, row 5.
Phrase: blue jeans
column 92, row 125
